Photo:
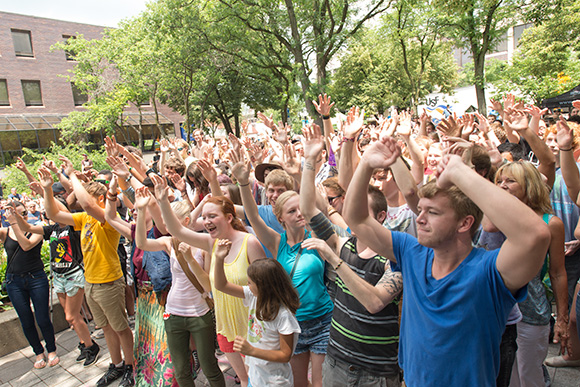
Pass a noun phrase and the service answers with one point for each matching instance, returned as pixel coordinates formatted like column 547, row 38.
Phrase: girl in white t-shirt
column 272, row 328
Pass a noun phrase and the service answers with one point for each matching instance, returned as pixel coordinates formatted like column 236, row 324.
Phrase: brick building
column 34, row 97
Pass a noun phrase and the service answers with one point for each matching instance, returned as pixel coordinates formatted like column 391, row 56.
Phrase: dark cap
column 57, row 188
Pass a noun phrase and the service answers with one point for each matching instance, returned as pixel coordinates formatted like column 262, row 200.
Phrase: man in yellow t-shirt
column 105, row 284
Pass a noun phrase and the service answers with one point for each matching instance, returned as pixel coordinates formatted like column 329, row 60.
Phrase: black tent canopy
column 563, row 100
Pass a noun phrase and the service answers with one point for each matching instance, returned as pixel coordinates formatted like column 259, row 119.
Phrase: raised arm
column 241, row 171
column 381, row 154
column 24, row 225
column 174, row 226
column 86, row 200
column 25, row 243
column 220, row 281
column 565, row 137
column 417, row 169
column 373, row 298
column 528, row 237
column 22, row 167
column 142, row 198
column 53, row 212
column 349, row 157
column 323, row 108
column 111, row 211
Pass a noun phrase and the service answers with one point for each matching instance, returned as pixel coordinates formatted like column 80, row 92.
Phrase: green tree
column 477, row 26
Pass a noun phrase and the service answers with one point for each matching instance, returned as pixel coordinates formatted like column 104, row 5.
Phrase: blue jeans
column 32, row 286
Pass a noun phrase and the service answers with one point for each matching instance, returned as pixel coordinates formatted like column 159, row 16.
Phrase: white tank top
column 183, row 298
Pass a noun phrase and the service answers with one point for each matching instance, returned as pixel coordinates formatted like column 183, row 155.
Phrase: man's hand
column 36, row 188
column 21, row 165
column 564, row 135
column 111, row 146
column 449, row 127
column 45, row 178
column 291, row 162
column 404, row 128
column 515, row 120
column 268, row 121
column 561, row 334
column 67, row 165
column 241, row 168
column 323, row 106
column 382, row 153
column 207, row 171
column 354, row 122
column 161, row 188
column 118, row 167
column 446, row 168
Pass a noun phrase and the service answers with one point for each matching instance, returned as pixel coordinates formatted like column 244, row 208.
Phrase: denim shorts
column 69, row 283
column 314, row 335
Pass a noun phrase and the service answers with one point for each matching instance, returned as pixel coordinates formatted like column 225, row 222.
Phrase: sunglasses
column 332, row 198
column 102, row 181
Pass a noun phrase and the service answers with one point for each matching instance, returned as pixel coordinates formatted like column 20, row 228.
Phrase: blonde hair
column 537, row 195
column 94, row 188
column 281, row 201
column 181, row 209
column 279, row 177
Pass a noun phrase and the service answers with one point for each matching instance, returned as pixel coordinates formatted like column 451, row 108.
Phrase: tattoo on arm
column 309, row 166
column 392, row 282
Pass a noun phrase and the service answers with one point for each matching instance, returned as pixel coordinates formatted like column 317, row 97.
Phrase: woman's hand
column 241, row 345
column 142, row 198
column 223, row 249
column 161, row 188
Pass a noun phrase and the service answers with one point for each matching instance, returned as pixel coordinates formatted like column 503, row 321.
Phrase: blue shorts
column 314, row 335
column 69, row 283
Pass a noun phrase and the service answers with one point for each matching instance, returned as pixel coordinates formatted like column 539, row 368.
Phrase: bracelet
column 337, row 266
column 566, row 150
column 326, row 117
column 332, row 212
column 130, row 168
column 111, row 197
column 12, row 224
column 243, row 185
column 128, row 179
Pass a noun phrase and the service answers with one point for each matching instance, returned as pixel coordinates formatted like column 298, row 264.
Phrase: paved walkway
column 16, row 369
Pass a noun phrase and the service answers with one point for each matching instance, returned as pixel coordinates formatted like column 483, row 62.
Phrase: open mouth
column 210, row 228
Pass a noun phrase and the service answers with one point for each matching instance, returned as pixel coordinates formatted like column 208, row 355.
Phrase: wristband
column 337, row 266
column 128, row 179
column 566, row 150
column 242, row 185
column 12, row 224
column 326, row 117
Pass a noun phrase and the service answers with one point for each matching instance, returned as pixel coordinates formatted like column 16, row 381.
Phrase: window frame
column 7, row 102
column 30, row 81
column 21, row 53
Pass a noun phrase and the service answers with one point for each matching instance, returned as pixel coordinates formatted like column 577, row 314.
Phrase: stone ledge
column 12, row 338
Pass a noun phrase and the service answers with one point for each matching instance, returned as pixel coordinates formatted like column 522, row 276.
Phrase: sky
column 106, row 13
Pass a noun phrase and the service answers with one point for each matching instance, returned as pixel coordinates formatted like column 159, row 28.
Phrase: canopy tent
column 563, row 100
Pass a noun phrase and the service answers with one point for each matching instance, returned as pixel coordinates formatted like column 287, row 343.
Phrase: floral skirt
column 153, row 363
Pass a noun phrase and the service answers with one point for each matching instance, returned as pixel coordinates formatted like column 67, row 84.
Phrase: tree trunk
column 478, row 69
column 237, row 124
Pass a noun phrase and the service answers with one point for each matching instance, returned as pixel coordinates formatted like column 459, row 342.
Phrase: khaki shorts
column 107, row 303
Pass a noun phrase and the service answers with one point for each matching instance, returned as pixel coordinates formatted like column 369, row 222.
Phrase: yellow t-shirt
column 230, row 313
column 99, row 242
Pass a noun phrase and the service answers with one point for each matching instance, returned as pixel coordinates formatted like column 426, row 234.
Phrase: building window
column 68, row 53
column 79, row 97
column 32, row 93
column 22, row 43
column 4, row 100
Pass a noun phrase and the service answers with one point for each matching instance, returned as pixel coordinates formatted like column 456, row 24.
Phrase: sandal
column 53, row 360
column 40, row 363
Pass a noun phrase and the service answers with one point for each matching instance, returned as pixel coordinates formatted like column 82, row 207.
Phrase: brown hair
column 378, row 201
column 332, row 183
column 234, row 192
column 227, row 207
column 96, row 189
column 279, row 177
column 194, row 177
column 177, row 165
column 499, row 131
column 461, row 204
column 275, row 288
column 482, row 162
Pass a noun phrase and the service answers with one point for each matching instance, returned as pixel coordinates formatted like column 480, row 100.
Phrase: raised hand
column 118, row 167
column 223, row 249
column 178, row 182
column 515, row 120
column 323, row 106
column 113, row 185
column 382, row 153
column 449, row 127
column 49, row 164
column 509, row 101
column 234, row 142
column 20, row 165
column 445, row 170
column 535, row 111
column 497, row 106
column 314, row 142
column 45, row 178
column 281, row 133
column 67, row 165
column 468, row 125
column 36, row 188
column 354, row 122
column 564, row 134
column 268, row 121
column 161, row 188
column 206, row 169
column 111, row 146
column 483, row 126
column 142, row 198
column 241, row 167
column 576, row 104
column 164, row 145
column 291, row 163
column 404, row 128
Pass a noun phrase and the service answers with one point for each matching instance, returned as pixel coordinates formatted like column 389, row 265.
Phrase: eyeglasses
column 332, row 198
column 24, row 213
column 180, row 149
column 102, row 181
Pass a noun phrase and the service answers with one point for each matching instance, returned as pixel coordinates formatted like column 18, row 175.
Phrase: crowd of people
column 362, row 253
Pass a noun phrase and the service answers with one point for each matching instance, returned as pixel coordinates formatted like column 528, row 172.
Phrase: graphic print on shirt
column 61, row 250
column 255, row 327
column 88, row 236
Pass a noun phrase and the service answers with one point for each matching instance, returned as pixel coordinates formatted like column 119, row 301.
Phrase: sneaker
column 83, row 354
column 91, row 354
column 112, row 374
column 128, row 379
